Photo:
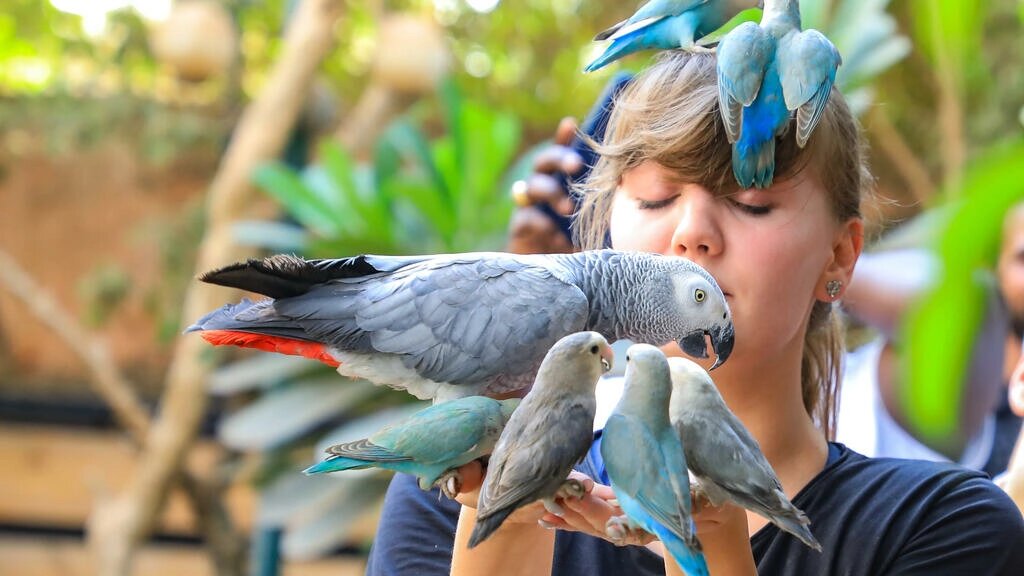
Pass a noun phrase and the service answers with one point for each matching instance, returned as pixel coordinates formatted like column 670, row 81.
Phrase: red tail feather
column 313, row 350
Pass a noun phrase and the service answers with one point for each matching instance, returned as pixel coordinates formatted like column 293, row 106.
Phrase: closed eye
column 655, row 204
column 752, row 209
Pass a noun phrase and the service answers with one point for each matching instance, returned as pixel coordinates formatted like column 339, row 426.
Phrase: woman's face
column 768, row 249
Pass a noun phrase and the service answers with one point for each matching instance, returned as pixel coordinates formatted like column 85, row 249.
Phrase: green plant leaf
column 947, row 318
column 299, row 200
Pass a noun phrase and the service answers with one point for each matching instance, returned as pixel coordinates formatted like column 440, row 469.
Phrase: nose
column 697, row 234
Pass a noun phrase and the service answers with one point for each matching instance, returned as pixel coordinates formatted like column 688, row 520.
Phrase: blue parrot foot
column 620, row 531
column 450, row 484
column 571, row 488
column 704, row 497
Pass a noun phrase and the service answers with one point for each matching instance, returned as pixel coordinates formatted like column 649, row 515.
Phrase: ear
column 846, row 248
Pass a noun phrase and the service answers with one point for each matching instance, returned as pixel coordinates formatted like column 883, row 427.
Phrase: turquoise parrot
column 476, row 324
column 723, row 456
column 765, row 73
column 550, row 432
column 646, row 463
column 666, row 24
column 431, row 444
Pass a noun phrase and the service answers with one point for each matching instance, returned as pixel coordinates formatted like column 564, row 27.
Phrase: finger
column 595, row 511
column 565, row 131
column 472, row 475
column 533, row 232
column 553, row 159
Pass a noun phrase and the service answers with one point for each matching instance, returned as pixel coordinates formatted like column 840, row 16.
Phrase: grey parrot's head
column 699, row 310
column 690, row 381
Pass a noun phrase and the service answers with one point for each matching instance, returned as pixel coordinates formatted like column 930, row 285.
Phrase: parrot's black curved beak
column 722, row 340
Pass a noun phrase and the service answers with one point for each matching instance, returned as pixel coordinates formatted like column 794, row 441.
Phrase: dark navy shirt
column 873, row 516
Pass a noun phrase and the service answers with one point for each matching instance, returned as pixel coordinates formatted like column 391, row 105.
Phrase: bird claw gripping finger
column 450, row 484
column 619, row 530
column 571, row 488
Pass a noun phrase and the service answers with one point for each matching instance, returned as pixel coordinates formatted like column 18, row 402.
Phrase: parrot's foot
column 619, row 531
column 571, row 488
column 698, row 49
column 450, row 484
column 704, row 496
column 551, row 506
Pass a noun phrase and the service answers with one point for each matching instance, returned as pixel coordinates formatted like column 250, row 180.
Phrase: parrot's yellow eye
column 699, row 295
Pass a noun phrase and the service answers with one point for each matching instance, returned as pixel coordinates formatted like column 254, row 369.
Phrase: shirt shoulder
column 891, row 516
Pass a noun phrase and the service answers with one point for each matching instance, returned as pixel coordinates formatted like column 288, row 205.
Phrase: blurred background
column 142, row 141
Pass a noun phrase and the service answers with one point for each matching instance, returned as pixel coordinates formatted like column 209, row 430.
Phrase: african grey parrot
column 723, row 456
column 431, row 444
column 458, row 325
column 550, row 432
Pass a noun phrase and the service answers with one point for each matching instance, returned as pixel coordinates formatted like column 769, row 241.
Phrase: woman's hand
column 532, row 231
column 472, row 477
column 591, row 513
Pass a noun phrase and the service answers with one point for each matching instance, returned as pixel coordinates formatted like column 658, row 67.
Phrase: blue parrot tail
column 691, row 561
column 754, row 165
column 633, row 41
column 335, row 465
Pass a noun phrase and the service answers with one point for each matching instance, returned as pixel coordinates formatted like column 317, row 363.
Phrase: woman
column 782, row 256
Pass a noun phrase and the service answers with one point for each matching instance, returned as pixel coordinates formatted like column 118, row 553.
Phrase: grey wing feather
column 637, row 466
column 724, row 452
column 807, row 70
column 452, row 320
column 526, row 463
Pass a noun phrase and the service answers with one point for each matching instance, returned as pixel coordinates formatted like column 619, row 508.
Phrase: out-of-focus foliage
column 417, row 196
column 947, row 318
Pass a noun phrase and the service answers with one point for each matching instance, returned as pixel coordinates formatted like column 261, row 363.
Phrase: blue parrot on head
column 765, row 73
column 666, row 24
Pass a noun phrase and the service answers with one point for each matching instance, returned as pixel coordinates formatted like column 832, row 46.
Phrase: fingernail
column 546, row 525
column 452, row 486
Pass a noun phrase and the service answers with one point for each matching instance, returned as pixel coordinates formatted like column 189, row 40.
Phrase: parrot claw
column 551, row 506
column 450, row 484
column 571, row 488
column 619, row 531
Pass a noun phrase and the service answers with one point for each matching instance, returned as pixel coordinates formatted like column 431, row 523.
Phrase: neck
column 598, row 279
column 782, row 10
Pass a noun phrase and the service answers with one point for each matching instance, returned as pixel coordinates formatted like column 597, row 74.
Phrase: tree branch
column 118, row 526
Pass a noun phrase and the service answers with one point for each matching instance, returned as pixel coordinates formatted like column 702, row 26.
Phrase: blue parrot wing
column 441, row 433
column 743, row 55
column 636, row 466
column 807, row 70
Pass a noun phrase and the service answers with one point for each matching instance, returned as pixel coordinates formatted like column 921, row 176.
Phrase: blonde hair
column 669, row 114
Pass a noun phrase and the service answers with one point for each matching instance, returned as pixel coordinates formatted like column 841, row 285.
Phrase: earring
column 833, row 287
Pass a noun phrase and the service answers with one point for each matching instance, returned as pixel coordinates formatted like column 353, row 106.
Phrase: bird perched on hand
column 646, row 463
column 722, row 454
column 457, row 325
column 550, row 432
column 666, row 24
column 765, row 73
column 431, row 444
